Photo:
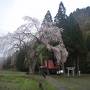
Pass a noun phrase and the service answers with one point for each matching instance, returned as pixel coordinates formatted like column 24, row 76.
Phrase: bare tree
column 21, row 38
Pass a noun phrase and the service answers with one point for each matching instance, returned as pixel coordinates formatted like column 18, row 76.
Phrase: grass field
column 20, row 81
column 75, row 83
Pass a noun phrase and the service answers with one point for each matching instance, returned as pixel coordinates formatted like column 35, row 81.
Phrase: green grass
column 75, row 83
column 19, row 81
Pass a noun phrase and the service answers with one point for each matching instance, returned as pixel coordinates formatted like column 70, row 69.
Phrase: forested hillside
column 83, row 18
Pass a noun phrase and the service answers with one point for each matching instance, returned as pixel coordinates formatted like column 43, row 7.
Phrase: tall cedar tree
column 60, row 18
column 72, row 35
column 47, row 18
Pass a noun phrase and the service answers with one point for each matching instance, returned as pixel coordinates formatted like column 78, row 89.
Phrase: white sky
column 12, row 11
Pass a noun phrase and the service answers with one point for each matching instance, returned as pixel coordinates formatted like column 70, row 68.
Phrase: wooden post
column 68, row 72
column 73, row 72
column 79, row 73
column 63, row 68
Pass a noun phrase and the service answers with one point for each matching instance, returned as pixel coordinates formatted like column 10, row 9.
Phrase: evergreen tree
column 60, row 18
column 47, row 18
column 88, row 54
column 20, row 61
column 88, row 43
column 74, row 41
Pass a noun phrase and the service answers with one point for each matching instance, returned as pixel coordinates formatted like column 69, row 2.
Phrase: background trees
column 72, row 36
column 74, row 41
column 82, row 16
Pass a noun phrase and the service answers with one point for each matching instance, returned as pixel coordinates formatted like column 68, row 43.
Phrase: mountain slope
column 83, row 18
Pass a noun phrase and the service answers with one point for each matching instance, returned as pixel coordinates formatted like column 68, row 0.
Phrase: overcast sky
column 12, row 11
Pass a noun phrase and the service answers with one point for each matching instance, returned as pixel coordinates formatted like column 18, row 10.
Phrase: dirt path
column 56, row 83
